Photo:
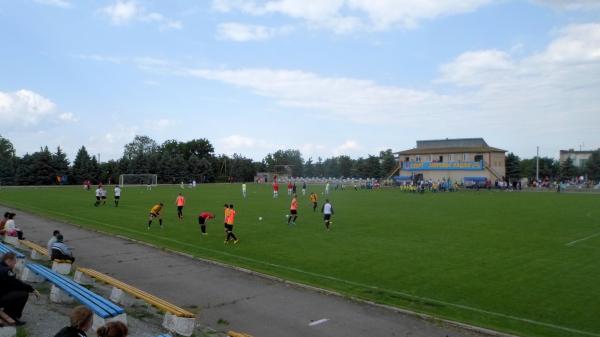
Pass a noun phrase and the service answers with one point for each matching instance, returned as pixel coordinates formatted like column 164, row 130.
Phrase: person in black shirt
column 13, row 292
column 81, row 321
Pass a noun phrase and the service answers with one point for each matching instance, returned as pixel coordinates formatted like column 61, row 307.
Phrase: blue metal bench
column 5, row 249
column 163, row 336
column 98, row 304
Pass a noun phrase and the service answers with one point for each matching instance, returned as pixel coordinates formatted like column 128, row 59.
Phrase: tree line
column 175, row 161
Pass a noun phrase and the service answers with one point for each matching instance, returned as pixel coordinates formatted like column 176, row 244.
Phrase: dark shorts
column 179, row 208
column 315, row 204
column 229, row 228
column 98, row 198
column 327, row 216
column 202, row 220
column 117, row 197
column 293, row 211
column 154, row 215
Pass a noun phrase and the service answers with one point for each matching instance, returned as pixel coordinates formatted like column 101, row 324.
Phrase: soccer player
column 98, row 196
column 117, row 195
column 294, row 188
column 203, row 220
column 293, row 210
column 155, row 213
column 225, row 216
column 103, row 195
column 327, row 213
column 181, row 185
column 149, row 185
column 327, row 188
column 244, row 190
column 314, row 198
column 180, row 202
column 304, row 188
column 275, row 189
column 289, row 188
column 229, row 226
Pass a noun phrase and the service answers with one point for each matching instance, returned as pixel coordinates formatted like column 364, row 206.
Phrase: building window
column 441, row 159
column 478, row 157
column 407, row 159
column 418, row 159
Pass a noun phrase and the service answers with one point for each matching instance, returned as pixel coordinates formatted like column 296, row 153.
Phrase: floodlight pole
column 537, row 165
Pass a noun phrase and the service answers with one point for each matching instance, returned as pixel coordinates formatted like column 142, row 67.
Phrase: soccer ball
column 287, row 215
column 260, row 218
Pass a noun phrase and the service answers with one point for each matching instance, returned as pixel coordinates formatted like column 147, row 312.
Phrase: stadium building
column 579, row 158
column 463, row 160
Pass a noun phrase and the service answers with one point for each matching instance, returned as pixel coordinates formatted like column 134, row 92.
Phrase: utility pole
column 537, row 165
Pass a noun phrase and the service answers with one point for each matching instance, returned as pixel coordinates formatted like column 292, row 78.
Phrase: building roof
column 451, row 150
column 576, row 152
column 456, row 142
column 457, row 145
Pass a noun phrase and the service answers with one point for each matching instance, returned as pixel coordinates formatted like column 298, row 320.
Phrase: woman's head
column 11, row 215
column 10, row 259
column 82, row 318
column 113, row 329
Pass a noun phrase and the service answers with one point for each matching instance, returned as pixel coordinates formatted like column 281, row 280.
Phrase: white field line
column 583, row 239
column 322, row 320
column 352, row 283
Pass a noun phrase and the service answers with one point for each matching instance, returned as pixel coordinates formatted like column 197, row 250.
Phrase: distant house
column 579, row 158
column 457, row 159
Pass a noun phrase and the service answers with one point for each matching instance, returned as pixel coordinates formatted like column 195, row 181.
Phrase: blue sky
column 328, row 77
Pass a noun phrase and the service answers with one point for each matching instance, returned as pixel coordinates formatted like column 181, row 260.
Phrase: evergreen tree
column 388, row 162
column 345, row 166
column 567, row 169
column 81, row 166
column 42, row 172
column 512, row 164
column 8, row 161
column 592, row 167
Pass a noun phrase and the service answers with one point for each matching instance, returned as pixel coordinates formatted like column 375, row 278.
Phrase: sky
column 327, row 77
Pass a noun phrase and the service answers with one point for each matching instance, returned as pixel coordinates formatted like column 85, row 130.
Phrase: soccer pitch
column 523, row 263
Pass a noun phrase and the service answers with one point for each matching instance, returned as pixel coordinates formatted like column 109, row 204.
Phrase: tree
column 8, row 161
column 293, row 158
column 242, row 169
column 567, row 169
column 201, row 148
column 592, row 167
column 388, row 162
column 140, row 146
column 513, row 170
column 59, row 162
column 345, row 164
column 373, row 167
column 42, row 172
column 82, row 166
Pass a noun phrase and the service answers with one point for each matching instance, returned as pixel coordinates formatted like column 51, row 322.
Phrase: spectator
column 113, row 329
column 81, row 321
column 60, row 251
column 3, row 223
column 52, row 241
column 12, row 229
column 13, row 292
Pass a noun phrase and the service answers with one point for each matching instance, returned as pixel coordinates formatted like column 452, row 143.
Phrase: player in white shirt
column 98, row 196
column 244, row 190
column 103, row 195
column 117, row 195
column 327, row 213
column 327, row 188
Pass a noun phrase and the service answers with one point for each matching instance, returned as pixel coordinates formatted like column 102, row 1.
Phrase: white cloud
column 239, row 32
column 56, row 3
column 68, row 117
column 571, row 4
column 126, row 11
column 348, row 147
column 341, row 15
column 243, row 144
column 555, row 91
column 25, row 107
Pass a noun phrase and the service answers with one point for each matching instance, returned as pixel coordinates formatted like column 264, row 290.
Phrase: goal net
column 138, row 179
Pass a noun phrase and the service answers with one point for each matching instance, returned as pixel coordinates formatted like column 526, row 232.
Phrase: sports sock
column 160, row 222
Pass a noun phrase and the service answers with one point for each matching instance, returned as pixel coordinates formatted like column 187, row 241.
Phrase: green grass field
column 493, row 259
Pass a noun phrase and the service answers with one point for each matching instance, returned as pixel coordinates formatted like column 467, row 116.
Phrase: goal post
column 138, row 179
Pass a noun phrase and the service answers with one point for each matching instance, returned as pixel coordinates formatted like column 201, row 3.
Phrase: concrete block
column 61, row 268
column 181, row 325
column 99, row 321
column 29, row 276
column 20, row 266
column 57, row 295
column 122, row 298
column 35, row 255
column 83, row 279
column 12, row 240
column 8, row 331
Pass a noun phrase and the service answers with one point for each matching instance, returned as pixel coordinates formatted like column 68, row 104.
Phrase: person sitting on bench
column 13, row 292
column 60, row 251
column 81, row 322
column 12, row 229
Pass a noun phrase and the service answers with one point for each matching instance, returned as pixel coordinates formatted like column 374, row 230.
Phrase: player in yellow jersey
column 313, row 199
column 155, row 213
